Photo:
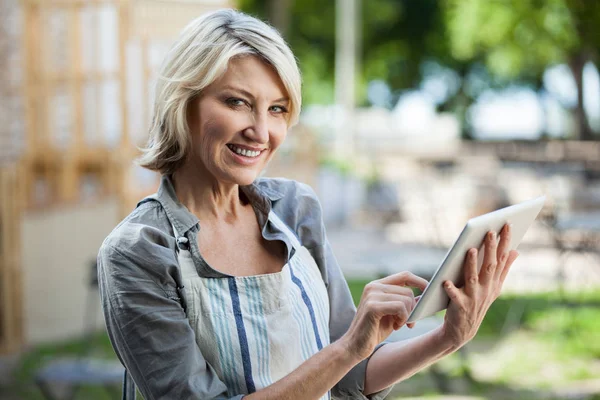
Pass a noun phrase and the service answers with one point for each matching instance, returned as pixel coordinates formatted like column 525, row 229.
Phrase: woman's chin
column 244, row 178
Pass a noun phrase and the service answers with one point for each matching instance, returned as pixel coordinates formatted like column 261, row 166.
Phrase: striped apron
column 254, row 330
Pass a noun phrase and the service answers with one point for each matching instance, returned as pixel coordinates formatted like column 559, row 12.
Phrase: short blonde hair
column 197, row 59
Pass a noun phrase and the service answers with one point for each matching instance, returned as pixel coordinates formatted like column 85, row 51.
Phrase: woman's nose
column 259, row 131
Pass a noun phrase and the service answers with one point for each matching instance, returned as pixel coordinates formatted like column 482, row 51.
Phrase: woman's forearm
column 398, row 361
column 313, row 378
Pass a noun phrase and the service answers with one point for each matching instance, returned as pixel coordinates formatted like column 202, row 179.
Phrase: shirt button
column 183, row 243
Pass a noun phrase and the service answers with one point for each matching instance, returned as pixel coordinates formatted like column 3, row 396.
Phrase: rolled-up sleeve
column 146, row 323
column 311, row 229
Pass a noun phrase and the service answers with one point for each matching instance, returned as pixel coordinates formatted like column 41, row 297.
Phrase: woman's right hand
column 384, row 306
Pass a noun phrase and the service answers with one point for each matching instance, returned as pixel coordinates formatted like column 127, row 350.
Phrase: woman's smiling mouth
column 244, row 152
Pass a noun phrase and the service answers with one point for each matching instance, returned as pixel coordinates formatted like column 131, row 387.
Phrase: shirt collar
column 260, row 196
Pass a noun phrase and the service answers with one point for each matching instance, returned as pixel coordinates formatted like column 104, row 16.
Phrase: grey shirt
column 140, row 288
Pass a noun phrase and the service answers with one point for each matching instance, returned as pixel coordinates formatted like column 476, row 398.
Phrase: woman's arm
column 313, row 378
column 397, row 361
column 468, row 306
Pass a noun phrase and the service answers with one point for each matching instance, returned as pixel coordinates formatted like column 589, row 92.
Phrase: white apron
column 254, row 330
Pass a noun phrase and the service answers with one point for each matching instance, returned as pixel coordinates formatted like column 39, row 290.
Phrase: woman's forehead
column 253, row 75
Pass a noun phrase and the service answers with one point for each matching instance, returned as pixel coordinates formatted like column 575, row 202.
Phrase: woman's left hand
column 469, row 304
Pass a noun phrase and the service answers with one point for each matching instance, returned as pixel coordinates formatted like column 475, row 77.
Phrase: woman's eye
column 279, row 109
column 233, row 101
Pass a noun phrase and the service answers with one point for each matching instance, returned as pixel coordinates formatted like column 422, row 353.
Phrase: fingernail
column 447, row 284
column 473, row 252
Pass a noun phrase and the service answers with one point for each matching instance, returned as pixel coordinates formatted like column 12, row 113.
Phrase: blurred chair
column 576, row 233
column 70, row 373
column 575, row 230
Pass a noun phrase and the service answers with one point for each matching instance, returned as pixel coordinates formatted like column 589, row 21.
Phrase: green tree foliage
column 520, row 39
column 513, row 37
column 398, row 35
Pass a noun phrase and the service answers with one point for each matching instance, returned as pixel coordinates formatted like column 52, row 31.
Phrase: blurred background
column 418, row 114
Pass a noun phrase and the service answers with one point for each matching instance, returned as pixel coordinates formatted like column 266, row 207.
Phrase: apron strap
column 274, row 218
column 188, row 269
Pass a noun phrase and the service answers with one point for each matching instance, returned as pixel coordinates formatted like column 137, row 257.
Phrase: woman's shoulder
column 138, row 256
column 146, row 230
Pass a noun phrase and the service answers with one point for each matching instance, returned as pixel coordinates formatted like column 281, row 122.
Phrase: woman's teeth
column 243, row 152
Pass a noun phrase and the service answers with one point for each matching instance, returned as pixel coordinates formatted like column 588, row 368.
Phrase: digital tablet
column 521, row 216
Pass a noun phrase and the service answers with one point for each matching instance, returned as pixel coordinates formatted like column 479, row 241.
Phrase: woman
column 223, row 284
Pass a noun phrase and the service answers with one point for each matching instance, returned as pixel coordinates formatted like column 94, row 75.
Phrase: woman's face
column 238, row 122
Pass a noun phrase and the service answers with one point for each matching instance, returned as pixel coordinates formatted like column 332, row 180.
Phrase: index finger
column 405, row 278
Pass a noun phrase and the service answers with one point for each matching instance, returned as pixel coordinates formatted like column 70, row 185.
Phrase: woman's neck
column 206, row 197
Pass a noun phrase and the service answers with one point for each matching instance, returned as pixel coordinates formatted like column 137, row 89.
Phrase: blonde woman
column 222, row 285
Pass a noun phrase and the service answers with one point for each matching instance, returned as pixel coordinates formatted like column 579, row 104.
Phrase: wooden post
column 6, row 300
column 124, row 154
column 11, row 306
column 42, row 141
column 147, row 71
column 95, row 43
column 123, row 37
column 70, row 174
column 32, row 91
column 76, row 77
column 17, row 263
